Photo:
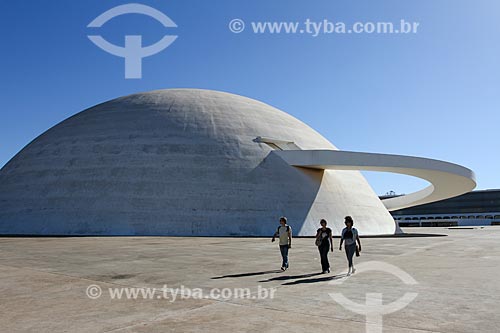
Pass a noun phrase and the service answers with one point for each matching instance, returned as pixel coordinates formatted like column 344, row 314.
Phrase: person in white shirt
column 284, row 233
column 350, row 237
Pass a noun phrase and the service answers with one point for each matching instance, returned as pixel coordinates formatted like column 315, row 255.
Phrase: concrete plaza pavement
column 44, row 283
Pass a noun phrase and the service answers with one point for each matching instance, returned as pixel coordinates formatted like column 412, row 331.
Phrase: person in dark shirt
column 324, row 241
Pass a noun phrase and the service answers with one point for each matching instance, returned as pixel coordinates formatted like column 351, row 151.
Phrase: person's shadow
column 303, row 278
column 290, row 277
column 245, row 274
column 314, row 280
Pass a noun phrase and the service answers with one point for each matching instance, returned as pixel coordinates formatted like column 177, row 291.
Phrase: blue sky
column 432, row 94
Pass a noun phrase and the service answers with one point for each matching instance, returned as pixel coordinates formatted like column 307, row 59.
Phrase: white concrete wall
column 178, row 162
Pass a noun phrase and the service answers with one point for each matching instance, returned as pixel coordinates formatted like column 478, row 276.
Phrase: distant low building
column 473, row 208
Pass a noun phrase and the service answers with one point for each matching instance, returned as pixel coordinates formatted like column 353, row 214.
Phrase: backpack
column 287, row 229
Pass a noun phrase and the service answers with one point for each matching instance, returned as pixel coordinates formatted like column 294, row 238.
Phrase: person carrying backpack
column 284, row 233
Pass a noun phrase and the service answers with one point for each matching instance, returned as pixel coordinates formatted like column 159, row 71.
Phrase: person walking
column 284, row 233
column 324, row 241
column 350, row 237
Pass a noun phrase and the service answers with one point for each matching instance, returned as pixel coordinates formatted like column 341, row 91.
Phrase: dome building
column 185, row 162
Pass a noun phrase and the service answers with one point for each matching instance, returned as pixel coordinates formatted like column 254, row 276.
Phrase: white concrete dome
column 178, row 162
